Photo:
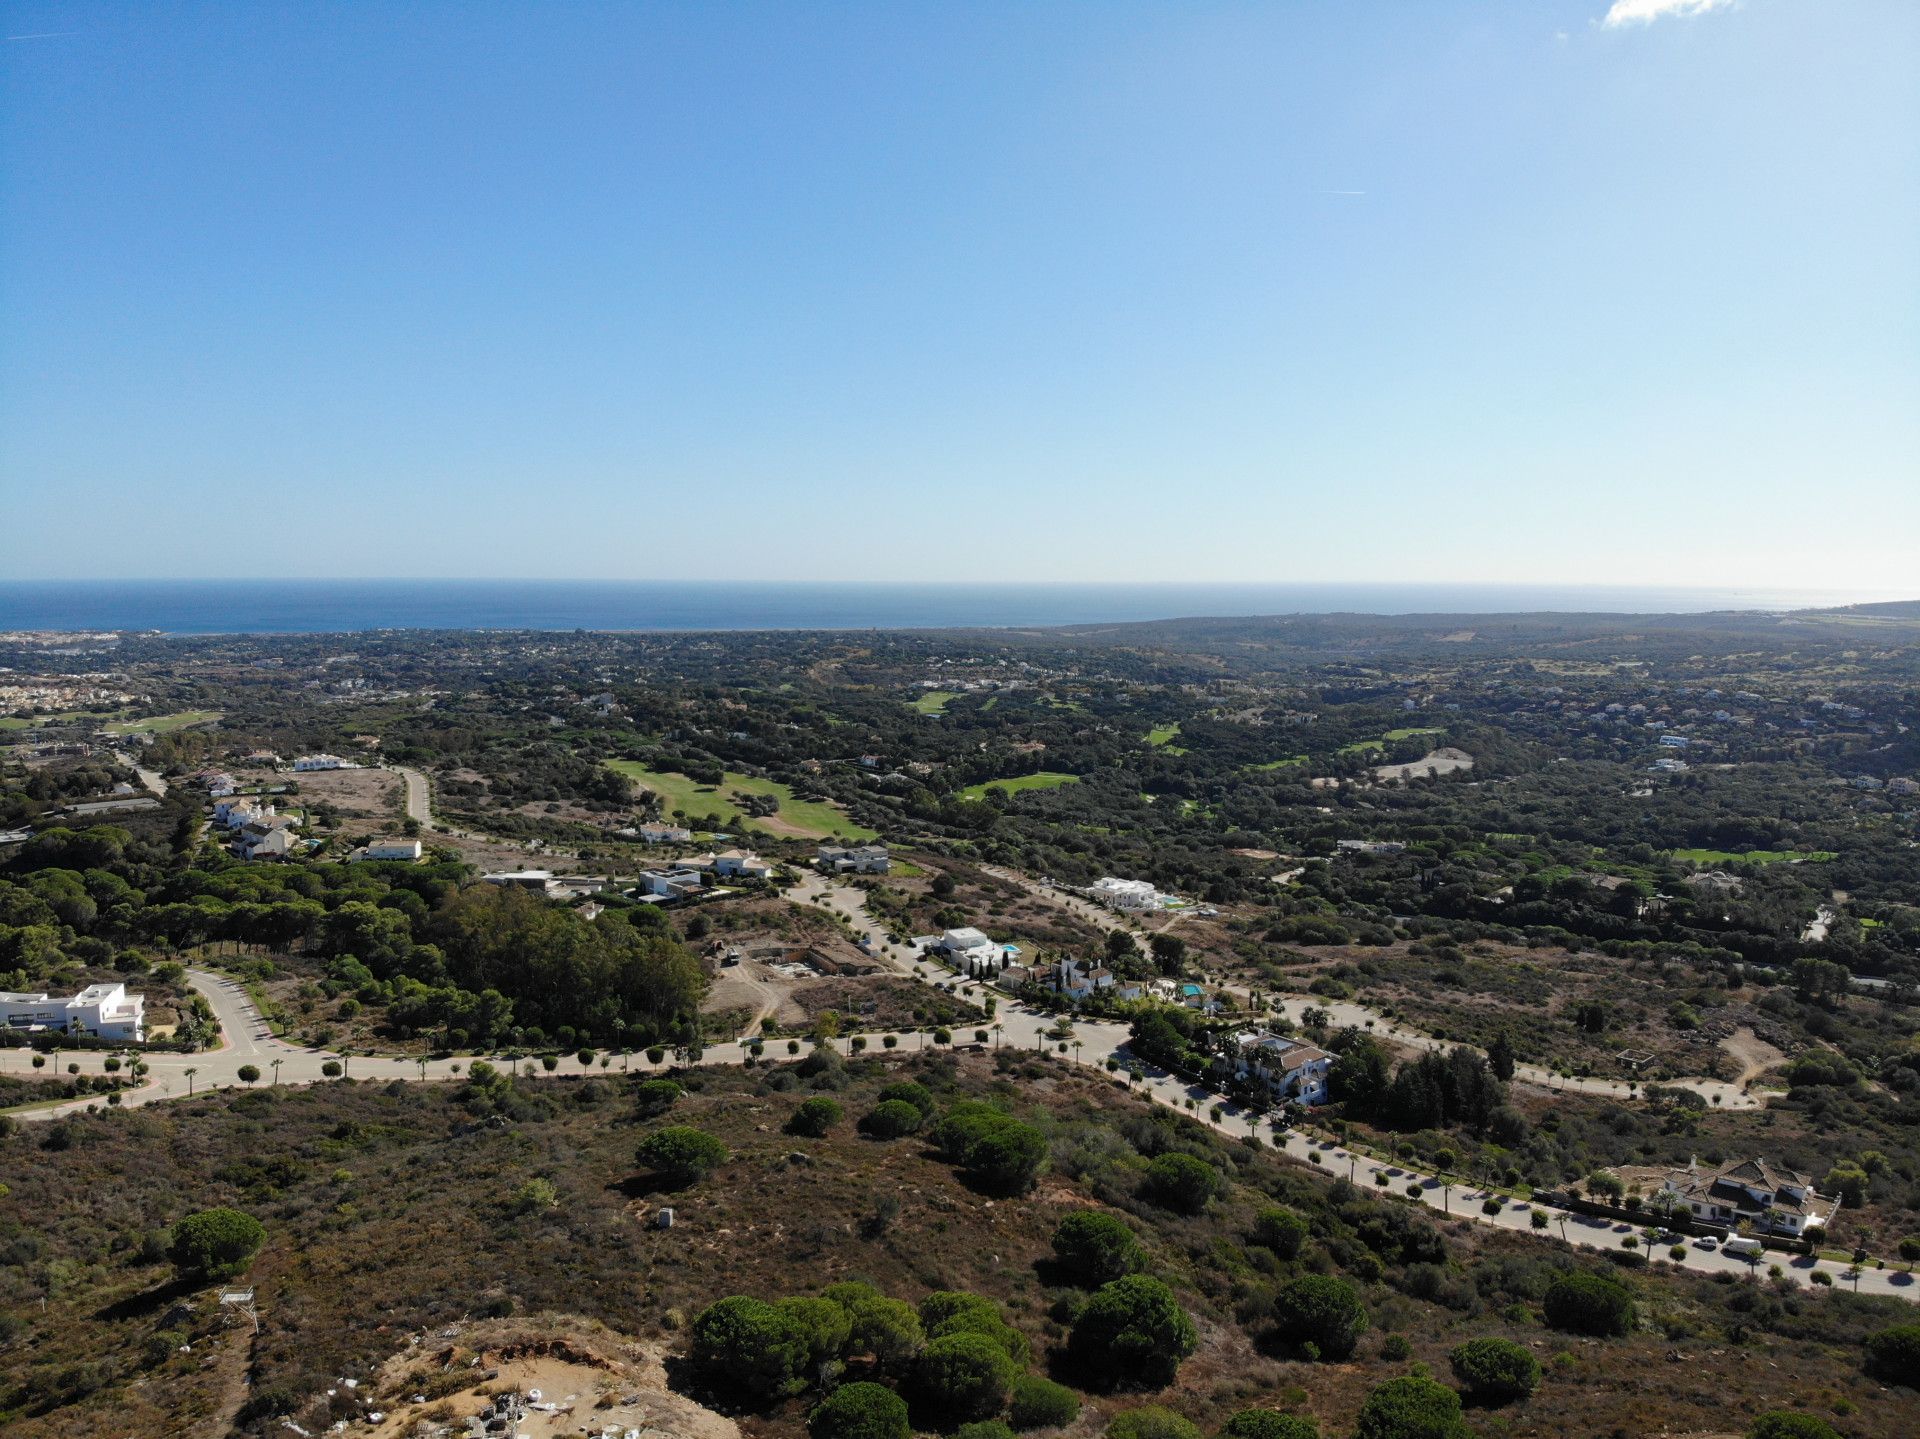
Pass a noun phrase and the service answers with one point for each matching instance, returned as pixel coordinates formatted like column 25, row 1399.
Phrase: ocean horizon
column 240, row 606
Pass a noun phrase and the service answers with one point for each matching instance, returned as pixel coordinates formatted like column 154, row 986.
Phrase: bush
column 1265, row 1424
column 1152, row 1421
column 892, row 1119
column 1788, row 1424
column 1320, row 1310
column 815, row 1117
column 1282, row 1231
column 1495, row 1371
column 984, row 1429
column 1095, row 1248
column 964, row 1376
column 1181, row 1183
column 1582, row 1303
column 655, row 1097
column 907, row 1091
column 1039, row 1403
column 860, row 1411
column 215, row 1243
column 1894, row 1354
column 1411, row 1408
column 821, row 1325
column 888, row 1329
column 1133, row 1332
column 947, row 1312
column 1395, row 1347
column 681, row 1154
column 746, row 1346
column 993, row 1149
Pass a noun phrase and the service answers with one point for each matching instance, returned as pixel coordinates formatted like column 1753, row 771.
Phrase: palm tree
column 276, row 1069
column 190, row 1071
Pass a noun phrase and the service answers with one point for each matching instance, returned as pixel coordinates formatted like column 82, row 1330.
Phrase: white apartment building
column 105, row 1011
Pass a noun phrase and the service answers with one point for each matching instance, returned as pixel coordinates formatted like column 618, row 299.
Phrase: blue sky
column 1529, row 291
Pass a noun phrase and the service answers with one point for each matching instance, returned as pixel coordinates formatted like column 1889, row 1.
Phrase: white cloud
column 1645, row 12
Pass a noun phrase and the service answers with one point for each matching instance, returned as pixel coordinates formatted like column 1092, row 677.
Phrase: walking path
column 1093, row 1043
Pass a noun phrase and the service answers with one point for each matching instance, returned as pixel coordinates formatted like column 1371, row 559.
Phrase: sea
column 240, row 606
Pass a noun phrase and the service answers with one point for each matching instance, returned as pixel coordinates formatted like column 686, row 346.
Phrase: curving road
column 1093, row 1043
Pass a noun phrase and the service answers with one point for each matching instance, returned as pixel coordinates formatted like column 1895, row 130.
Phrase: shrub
column 681, row 1154
column 888, row 1329
column 947, row 1312
column 907, row 1091
column 1894, row 1354
column 1151, row 1421
column 746, row 1346
column 1495, row 1371
column 1582, row 1303
column 1395, row 1347
column 1788, row 1424
column 1265, row 1424
column 1282, row 1231
column 655, row 1097
column 1181, row 1183
column 1411, row 1407
column 215, row 1243
column 815, row 1117
column 860, row 1411
column 995, row 1151
column 964, row 1376
column 1039, row 1403
column 1320, row 1310
column 984, row 1429
column 1096, row 1248
column 821, row 1325
column 1132, row 1332
column 892, row 1119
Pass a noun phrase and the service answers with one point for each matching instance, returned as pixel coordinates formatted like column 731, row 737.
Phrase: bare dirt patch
column 1446, row 760
column 1753, row 1054
column 588, row 1379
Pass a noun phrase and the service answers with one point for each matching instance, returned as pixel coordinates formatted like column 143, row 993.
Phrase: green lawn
column 1752, row 856
column 1046, row 779
column 164, row 724
column 934, row 702
column 814, row 819
column 1362, row 746
column 10, row 722
column 1394, row 734
column 1164, row 735
column 1278, row 763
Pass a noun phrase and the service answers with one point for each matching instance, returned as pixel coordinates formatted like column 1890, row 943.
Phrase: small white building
column 322, row 761
column 105, row 1011
column 670, row 883
column 406, row 851
column 1291, row 1069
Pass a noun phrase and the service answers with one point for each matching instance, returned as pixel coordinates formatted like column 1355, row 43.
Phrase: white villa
column 1775, row 1200
column 1076, row 981
column 738, row 864
column 1126, row 893
column 322, row 761
column 1292, row 1069
column 664, row 834
column 970, row 951
column 408, row 851
column 670, row 883
column 106, row 1011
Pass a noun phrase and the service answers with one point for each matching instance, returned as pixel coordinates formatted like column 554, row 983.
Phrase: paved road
column 419, row 795
column 151, row 778
column 1013, row 1026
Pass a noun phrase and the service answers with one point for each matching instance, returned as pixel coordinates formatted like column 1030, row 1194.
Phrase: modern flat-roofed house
column 670, row 883
column 665, row 834
column 1773, row 1199
column 969, row 951
column 407, row 851
column 853, row 859
column 540, row 879
column 1124, row 893
column 105, row 1011
column 322, row 761
column 1291, row 1069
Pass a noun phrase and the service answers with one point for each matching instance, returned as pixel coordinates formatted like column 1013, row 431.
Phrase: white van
column 1740, row 1244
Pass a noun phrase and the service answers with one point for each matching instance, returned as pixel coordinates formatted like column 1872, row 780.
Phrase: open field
column 1162, row 736
column 164, row 724
column 1274, row 764
column 933, row 702
column 1046, row 779
column 801, row 818
column 1753, row 856
column 9, row 722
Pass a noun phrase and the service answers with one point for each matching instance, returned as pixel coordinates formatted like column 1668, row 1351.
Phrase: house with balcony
column 1291, row 1069
column 1773, row 1199
column 105, row 1011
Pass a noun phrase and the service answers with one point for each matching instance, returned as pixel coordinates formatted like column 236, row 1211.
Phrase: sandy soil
column 598, row 1382
column 1440, row 761
column 1753, row 1054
